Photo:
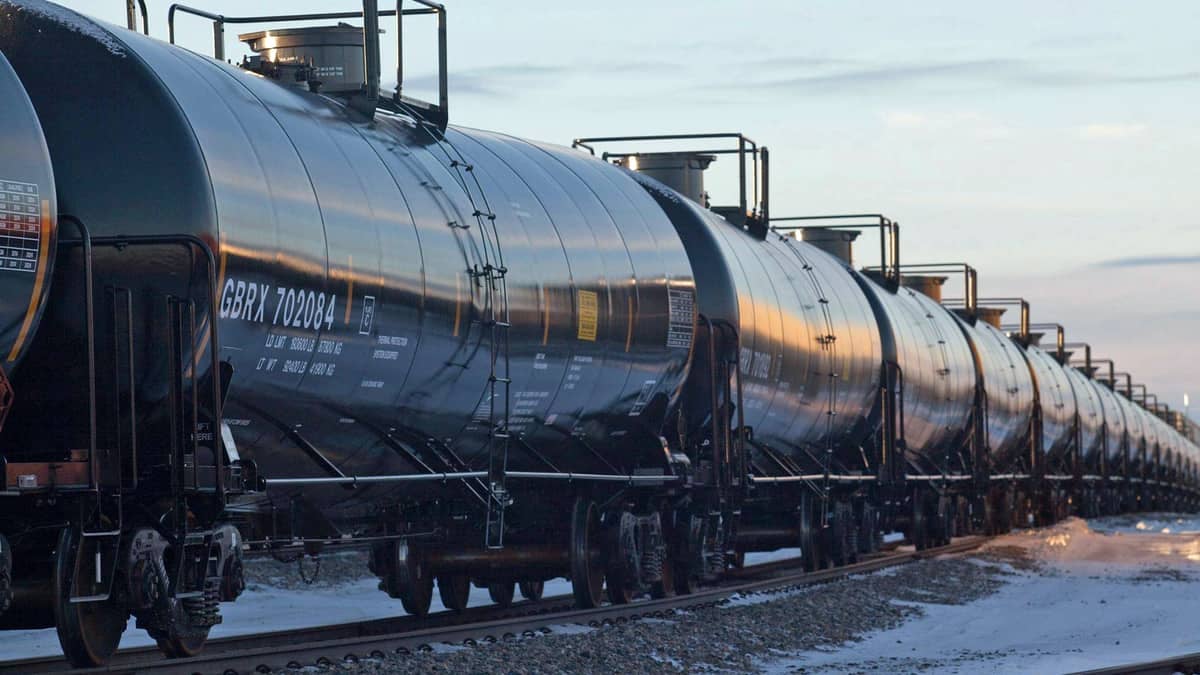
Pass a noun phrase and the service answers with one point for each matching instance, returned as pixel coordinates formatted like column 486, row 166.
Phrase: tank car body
column 808, row 353
column 937, row 370
column 1008, row 388
column 1090, row 411
column 28, row 221
column 1056, row 401
column 1115, row 433
column 351, row 300
column 244, row 315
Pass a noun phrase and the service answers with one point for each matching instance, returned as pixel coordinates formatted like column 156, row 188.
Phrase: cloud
column 509, row 80
column 968, row 74
column 1111, row 132
column 1151, row 261
column 972, row 123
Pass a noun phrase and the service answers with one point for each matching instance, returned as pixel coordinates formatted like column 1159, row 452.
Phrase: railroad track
column 1188, row 664
column 268, row 652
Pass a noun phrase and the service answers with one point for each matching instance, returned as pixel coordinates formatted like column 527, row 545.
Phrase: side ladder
column 493, row 276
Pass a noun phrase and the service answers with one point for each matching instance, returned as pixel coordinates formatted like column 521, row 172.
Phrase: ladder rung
column 502, row 380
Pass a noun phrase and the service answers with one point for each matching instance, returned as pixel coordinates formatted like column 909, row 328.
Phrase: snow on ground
column 1120, row 591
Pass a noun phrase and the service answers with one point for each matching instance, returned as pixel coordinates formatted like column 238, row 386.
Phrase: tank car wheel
column 665, row 587
column 843, row 535
column 412, row 583
column 963, row 524
column 183, row 647
column 685, row 537
column 502, row 592
column 454, row 590
column 532, row 590
column 869, row 537
column 89, row 632
column 943, row 521
column 587, row 574
column 919, row 527
column 811, row 551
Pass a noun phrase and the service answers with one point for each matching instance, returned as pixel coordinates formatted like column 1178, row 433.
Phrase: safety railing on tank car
column 889, row 237
column 88, row 244
column 970, row 299
column 131, row 14
column 753, row 200
column 370, row 15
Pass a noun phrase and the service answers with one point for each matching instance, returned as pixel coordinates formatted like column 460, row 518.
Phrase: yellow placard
column 589, row 315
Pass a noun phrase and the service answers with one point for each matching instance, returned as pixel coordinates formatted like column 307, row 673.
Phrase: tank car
column 262, row 309
column 356, row 309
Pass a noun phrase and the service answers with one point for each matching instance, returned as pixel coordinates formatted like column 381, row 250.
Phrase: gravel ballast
column 739, row 634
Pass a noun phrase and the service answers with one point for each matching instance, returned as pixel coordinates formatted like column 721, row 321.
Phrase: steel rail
column 350, row 642
column 1187, row 663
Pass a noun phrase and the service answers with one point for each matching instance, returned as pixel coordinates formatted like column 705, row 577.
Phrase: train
column 267, row 308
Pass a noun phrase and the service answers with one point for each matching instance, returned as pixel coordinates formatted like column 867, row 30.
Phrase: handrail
column 131, row 16
column 85, row 239
column 970, row 280
column 1022, row 303
column 187, row 240
column 370, row 44
column 889, row 237
column 746, row 147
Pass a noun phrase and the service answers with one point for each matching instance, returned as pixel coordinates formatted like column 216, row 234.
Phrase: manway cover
column 27, row 218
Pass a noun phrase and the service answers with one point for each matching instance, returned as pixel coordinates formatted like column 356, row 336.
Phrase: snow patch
column 571, row 628
column 1105, row 595
column 71, row 21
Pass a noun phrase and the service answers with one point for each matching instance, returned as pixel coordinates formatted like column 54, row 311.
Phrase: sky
column 1052, row 145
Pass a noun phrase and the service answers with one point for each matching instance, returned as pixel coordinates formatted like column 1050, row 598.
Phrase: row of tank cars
column 261, row 309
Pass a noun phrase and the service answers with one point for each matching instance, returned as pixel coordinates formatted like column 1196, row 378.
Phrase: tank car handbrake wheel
column 587, row 575
column 89, row 632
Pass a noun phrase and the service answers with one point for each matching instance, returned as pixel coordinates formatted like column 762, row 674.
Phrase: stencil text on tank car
column 682, row 319
column 20, row 226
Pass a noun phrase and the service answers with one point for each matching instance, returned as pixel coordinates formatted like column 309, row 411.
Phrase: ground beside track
column 1077, row 596
column 1065, row 598
column 733, row 636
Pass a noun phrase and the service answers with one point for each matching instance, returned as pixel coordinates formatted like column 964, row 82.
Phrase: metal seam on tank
column 849, row 358
column 808, row 274
column 192, row 65
column 308, row 174
column 948, row 380
column 634, row 292
column 366, row 193
column 519, row 226
column 467, row 249
column 622, row 192
column 823, row 317
column 911, row 336
column 571, row 345
column 719, row 228
column 797, row 351
column 783, row 262
column 474, row 249
column 421, row 309
column 773, row 319
column 625, row 186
